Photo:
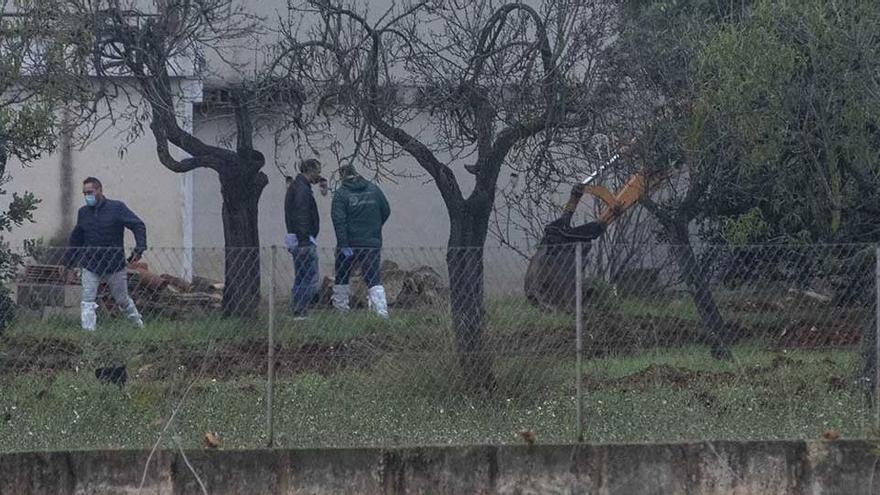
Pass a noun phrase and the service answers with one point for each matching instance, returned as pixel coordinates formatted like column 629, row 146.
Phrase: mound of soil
column 806, row 335
column 602, row 335
column 33, row 355
column 162, row 361
column 660, row 375
column 250, row 358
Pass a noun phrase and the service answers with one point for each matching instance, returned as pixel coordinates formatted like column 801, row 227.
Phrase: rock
column 403, row 288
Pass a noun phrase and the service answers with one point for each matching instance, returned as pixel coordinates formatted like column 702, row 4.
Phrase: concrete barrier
column 741, row 468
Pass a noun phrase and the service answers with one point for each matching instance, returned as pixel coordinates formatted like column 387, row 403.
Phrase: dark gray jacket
column 301, row 210
column 98, row 239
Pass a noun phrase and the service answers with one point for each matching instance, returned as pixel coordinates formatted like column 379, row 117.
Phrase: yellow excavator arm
column 549, row 282
column 615, row 204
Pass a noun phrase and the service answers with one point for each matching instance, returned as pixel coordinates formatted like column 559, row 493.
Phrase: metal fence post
column 876, row 378
column 579, row 316
column 270, row 365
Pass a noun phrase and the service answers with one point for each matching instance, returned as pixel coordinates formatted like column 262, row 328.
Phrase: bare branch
column 452, row 84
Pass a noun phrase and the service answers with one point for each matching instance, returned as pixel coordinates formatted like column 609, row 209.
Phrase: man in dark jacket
column 97, row 246
column 359, row 211
column 303, row 224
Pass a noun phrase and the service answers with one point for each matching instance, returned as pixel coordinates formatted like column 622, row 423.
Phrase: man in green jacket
column 359, row 211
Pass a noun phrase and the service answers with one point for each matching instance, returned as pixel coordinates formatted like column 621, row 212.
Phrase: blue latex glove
column 347, row 252
column 290, row 242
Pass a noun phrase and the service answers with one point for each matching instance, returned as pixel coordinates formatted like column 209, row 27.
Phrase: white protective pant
column 118, row 283
column 340, row 297
column 377, row 301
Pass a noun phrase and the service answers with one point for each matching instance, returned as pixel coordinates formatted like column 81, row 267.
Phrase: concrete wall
column 749, row 468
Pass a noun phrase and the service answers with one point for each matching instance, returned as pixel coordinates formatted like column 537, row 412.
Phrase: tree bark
column 464, row 261
column 146, row 50
column 713, row 329
column 241, row 195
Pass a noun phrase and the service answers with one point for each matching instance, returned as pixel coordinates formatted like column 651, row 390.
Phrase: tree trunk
column 241, row 197
column 464, row 261
column 713, row 328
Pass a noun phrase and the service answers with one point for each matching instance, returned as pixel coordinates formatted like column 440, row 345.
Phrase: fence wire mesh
column 676, row 343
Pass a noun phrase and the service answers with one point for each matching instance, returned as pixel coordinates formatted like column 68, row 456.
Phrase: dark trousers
column 305, row 281
column 368, row 260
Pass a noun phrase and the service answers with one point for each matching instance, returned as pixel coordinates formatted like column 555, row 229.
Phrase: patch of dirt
column 780, row 361
column 326, row 359
column 837, row 383
column 602, row 335
column 615, row 334
column 673, row 377
column 817, row 335
column 34, row 355
column 657, row 375
column 249, row 358
column 221, row 360
column 746, row 305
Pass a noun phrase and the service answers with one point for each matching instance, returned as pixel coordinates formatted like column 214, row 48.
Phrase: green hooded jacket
column 359, row 211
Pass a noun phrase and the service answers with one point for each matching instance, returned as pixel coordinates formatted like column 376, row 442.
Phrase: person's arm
column 300, row 213
column 137, row 227
column 74, row 242
column 339, row 215
column 288, row 210
column 77, row 236
column 383, row 206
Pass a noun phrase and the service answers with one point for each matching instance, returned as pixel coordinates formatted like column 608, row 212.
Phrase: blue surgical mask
column 91, row 200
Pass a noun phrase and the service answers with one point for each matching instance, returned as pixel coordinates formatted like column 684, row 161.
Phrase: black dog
column 116, row 375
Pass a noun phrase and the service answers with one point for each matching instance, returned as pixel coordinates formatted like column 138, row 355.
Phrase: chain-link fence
column 676, row 343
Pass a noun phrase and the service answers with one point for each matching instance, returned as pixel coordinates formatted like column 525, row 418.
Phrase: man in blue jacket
column 359, row 210
column 303, row 223
column 97, row 245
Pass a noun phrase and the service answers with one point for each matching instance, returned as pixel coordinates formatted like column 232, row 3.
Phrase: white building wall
column 418, row 215
column 184, row 211
column 416, row 233
column 129, row 172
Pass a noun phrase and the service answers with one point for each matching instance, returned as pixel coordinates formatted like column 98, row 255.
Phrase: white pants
column 118, row 283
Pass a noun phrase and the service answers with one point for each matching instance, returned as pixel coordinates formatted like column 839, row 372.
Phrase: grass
column 358, row 380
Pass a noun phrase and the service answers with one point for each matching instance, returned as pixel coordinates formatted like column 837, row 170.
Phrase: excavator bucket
column 550, row 281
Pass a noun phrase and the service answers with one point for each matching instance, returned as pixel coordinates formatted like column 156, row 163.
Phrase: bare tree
column 159, row 44
column 526, row 207
column 691, row 181
column 458, row 86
